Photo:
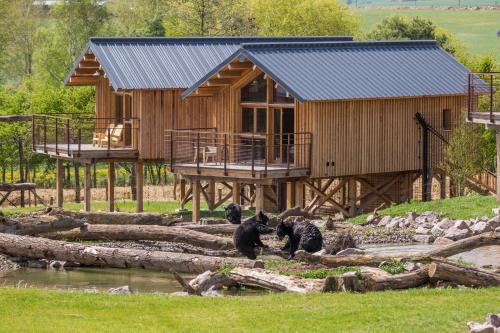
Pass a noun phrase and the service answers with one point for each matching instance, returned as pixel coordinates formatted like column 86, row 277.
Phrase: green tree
column 302, row 17
column 138, row 17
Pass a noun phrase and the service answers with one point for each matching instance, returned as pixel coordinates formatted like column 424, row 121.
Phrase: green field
column 419, row 3
column 476, row 29
column 418, row 310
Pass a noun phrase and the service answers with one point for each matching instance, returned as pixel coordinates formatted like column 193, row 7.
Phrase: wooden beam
column 230, row 73
column 240, row 65
column 87, row 70
column 211, row 193
column 219, row 82
column 59, row 182
column 83, row 80
column 139, row 183
column 299, row 193
column 182, row 186
column 111, row 186
column 88, row 63
column 86, row 185
column 352, row 192
column 290, row 195
column 259, row 198
column 196, row 201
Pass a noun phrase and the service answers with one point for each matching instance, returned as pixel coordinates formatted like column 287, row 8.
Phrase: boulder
column 384, row 221
column 481, row 227
column 427, row 217
column 494, row 222
column 41, row 263
column 350, row 251
column 392, row 224
column 425, row 239
column 460, row 230
column 411, row 217
column 423, row 231
column 318, row 223
column 440, row 228
column 120, row 290
column 372, row 219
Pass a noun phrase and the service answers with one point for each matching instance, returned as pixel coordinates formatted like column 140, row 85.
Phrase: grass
column 418, row 310
column 476, row 29
column 457, row 208
column 164, row 207
column 393, row 267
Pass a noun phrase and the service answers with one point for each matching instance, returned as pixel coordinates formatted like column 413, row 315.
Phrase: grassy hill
column 477, row 29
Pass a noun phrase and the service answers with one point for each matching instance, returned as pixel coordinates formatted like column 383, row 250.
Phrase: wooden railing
column 488, row 180
column 68, row 133
column 205, row 148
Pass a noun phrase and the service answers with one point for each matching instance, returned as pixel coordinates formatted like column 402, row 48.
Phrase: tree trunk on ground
column 207, row 280
column 145, row 232
column 77, row 182
column 120, row 217
column 376, row 279
column 467, row 276
column 295, row 211
column 214, row 229
column 41, row 248
column 30, row 226
column 273, row 281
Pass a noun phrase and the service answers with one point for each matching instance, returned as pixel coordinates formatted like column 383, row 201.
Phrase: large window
column 254, row 120
column 447, row 119
column 255, row 91
column 281, row 96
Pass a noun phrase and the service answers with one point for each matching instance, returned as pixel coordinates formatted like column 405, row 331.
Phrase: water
column 483, row 256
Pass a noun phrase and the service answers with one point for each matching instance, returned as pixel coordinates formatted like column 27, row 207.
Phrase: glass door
column 283, row 137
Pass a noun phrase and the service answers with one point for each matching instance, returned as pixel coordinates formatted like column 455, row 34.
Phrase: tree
column 138, row 17
column 401, row 27
column 302, row 17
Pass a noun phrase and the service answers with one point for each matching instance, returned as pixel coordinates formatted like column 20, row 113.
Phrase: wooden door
column 283, row 135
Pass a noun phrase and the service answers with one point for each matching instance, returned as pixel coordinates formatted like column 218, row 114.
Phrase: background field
column 454, row 3
column 476, row 28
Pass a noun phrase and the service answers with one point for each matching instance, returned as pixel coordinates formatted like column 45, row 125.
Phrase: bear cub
column 302, row 235
column 233, row 213
column 246, row 237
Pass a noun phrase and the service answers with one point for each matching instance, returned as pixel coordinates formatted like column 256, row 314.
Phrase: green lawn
column 457, row 208
column 29, row 310
column 476, row 29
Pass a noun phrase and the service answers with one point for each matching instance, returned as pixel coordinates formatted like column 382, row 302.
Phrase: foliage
column 226, row 269
column 417, row 310
column 299, row 17
column 465, row 155
column 460, row 261
column 323, row 273
column 393, row 267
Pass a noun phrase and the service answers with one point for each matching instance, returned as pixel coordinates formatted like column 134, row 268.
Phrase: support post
column 498, row 164
column 259, row 198
column 111, row 187
column 196, row 201
column 236, row 193
column 442, row 185
column 290, row 195
column 211, row 194
column 86, row 185
column 351, row 195
column 299, row 193
column 59, row 182
column 183, row 191
column 139, row 183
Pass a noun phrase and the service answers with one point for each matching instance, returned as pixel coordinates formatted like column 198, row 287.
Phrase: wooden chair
column 98, row 136
column 116, row 137
column 210, row 152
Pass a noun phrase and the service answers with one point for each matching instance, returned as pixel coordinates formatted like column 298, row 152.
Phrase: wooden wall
column 361, row 137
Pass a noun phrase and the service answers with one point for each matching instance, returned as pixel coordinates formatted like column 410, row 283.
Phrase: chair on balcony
column 98, row 136
column 206, row 152
column 116, row 137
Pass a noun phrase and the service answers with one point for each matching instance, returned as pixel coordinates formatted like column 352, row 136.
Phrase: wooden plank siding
column 373, row 136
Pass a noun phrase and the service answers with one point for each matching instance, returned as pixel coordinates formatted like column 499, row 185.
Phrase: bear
column 302, row 235
column 246, row 237
column 233, row 213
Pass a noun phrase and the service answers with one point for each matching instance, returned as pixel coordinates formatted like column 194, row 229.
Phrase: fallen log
column 467, row 276
column 295, row 211
column 210, row 280
column 119, row 217
column 213, row 229
column 376, row 279
column 467, row 244
column 349, row 281
column 145, row 232
column 42, row 248
column 275, row 282
column 32, row 226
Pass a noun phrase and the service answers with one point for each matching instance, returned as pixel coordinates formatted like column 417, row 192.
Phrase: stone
column 425, row 239
column 427, row 217
column 41, row 263
column 211, row 292
column 412, row 266
column 494, row 222
column 393, row 224
column 440, row 228
column 57, row 265
column 481, row 227
column 350, row 251
column 120, row 290
column 442, row 241
column 320, row 252
column 423, row 231
column 384, row 220
column 372, row 219
column 480, row 328
column 493, row 320
column 411, row 217
column 497, row 229
column 460, row 230
column 318, row 223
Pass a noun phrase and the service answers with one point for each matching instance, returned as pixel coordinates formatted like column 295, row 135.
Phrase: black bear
column 247, row 236
column 302, row 235
column 233, row 213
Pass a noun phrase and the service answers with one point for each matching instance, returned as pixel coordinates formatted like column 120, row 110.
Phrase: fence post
column 198, row 152
column 309, row 145
column 33, row 132
column 491, row 99
column 57, row 136
column 45, row 134
column 79, row 140
column 469, row 97
column 266, row 152
column 288, row 154
column 109, row 139
column 225, row 154
column 253, row 155
column 68, row 135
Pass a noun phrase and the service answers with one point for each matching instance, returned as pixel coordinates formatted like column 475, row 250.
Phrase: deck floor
column 86, row 151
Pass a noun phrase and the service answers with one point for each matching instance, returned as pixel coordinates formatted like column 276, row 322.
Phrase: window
column 255, row 91
column 254, row 120
column 247, row 120
column 280, row 95
column 447, row 119
column 118, row 109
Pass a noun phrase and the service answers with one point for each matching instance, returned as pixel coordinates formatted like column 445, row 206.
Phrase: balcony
column 206, row 152
column 83, row 137
column 483, row 99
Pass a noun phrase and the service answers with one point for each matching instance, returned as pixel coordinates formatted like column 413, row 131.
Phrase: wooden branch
column 145, row 232
column 467, row 276
column 87, row 255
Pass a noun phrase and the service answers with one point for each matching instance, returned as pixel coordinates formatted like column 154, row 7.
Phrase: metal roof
column 162, row 63
column 355, row 70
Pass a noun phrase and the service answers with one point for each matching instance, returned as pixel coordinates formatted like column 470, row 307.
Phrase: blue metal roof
column 162, row 63
column 355, row 70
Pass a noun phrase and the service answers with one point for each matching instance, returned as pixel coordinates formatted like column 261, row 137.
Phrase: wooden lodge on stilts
column 326, row 123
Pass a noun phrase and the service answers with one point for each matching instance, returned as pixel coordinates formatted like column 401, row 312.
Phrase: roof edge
column 341, row 44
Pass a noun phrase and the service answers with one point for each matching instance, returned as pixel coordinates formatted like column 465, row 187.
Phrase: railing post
column 57, row 136
column 288, row 154
column 253, row 155
column 33, row 132
column 45, row 134
column 491, row 99
column 198, row 152
column 171, row 150
column 68, row 135
column 109, row 139
column 469, row 98
column 79, row 140
column 309, row 145
column 225, row 154
column 265, row 154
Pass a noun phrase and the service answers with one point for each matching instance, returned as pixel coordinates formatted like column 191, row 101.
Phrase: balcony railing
column 483, row 99
column 73, row 134
column 251, row 152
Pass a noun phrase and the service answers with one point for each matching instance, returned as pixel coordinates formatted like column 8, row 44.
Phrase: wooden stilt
column 236, row 191
column 86, row 185
column 59, row 183
column 290, row 195
column 299, row 193
column 196, row 201
column 211, row 195
column 183, row 192
column 139, row 183
column 111, row 187
column 442, row 186
column 351, row 195
column 259, row 198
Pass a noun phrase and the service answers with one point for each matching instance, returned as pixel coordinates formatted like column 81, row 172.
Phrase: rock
column 350, row 251
column 481, row 227
column 494, row 222
column 461, row 225
column 320, row 252
column 425, row 239
column 497, row 229
column 427, row 217
column 318, row 223
column 57, row 265
column 330, row 224
column 440, row 228
column 211, row 292
column 120, row 290
column 7, row 264
column 480, row 328
column 372, row 219
column 41, row 263
column 460, row 230
column 493, row 320
column 412, row 266
column 393, row 224
column 384, row 221
column 442, row 241
column 411, row 217
column 423, row 231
